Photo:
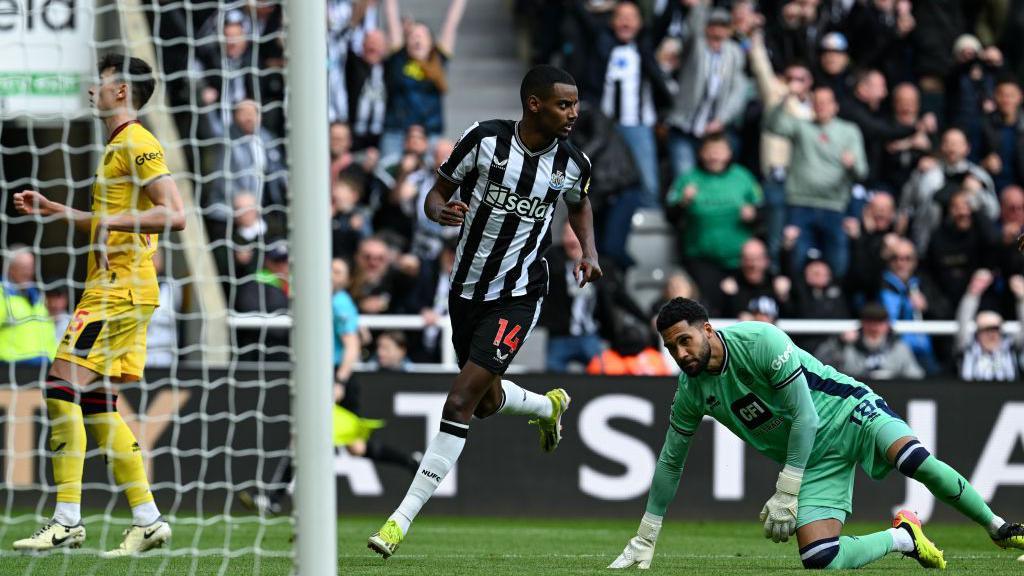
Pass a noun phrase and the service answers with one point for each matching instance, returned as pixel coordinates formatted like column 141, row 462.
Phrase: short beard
column 702, row 361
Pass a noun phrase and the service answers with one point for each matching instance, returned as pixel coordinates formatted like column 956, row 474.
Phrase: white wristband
column 650, row 526
column 789, row 480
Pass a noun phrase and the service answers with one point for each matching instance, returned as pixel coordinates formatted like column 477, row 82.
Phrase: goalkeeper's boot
column 386, row 540
column 551, row 427
column 1010, row 536
column 138, row 539
column 925, row 551
column 51, row 536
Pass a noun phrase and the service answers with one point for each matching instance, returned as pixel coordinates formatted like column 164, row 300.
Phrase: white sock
column 145, row 514
column 901, row 540
column 68, row 513
column 441, row 455
column 522, row 402
column 995, row 525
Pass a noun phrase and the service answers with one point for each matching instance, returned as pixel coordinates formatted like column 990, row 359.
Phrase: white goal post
column 312, row 336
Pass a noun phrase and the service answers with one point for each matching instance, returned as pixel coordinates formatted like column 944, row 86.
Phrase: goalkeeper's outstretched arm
column 640, row 550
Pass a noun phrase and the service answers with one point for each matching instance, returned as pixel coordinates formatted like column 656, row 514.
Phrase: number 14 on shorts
column 511, row 339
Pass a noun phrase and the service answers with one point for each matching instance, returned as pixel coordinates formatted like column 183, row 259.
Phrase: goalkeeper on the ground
column 820, row 424
column 134, row 199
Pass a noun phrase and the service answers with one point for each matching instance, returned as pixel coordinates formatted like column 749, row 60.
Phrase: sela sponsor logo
column 503, row 198
column 143, row 158
column 45, row 16
column 781, row 359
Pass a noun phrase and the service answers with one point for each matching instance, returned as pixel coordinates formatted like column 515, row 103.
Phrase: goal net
column 211, row 414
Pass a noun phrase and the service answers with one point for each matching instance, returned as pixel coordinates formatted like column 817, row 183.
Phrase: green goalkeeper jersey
column 751, row 395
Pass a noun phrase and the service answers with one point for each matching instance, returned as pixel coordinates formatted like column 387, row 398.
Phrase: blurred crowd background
column 804, row 159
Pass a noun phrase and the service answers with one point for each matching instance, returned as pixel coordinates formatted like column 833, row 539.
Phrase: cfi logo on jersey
column 781, row 359
column 142, row 158
column 557, row 180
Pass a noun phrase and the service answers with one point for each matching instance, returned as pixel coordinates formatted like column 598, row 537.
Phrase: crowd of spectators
column 820, row 159
column 816, row 158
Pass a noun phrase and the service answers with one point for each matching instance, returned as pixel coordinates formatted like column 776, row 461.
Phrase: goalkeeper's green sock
column 914, row 461
column 849, row 551
column 949, row 486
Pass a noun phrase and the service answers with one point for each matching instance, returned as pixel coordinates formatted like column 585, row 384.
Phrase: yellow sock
column 123, row 454
column 67, row 448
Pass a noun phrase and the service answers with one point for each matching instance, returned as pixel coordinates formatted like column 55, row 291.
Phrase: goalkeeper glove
column 779, row 513
column 640, row 550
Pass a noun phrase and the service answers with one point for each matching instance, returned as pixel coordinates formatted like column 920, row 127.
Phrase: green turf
column 489, row 546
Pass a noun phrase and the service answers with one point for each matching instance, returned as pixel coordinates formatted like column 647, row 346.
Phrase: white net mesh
column 211, row 414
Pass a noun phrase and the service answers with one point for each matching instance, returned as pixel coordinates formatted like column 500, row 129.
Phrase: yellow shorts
column 108, row 336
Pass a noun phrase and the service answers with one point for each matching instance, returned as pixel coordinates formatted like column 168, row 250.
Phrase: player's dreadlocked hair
column 679, row 310
column 539, row 80
column 135, row 71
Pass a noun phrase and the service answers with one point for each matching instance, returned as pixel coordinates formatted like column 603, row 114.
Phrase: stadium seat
column 645, row 283
column 652, row 241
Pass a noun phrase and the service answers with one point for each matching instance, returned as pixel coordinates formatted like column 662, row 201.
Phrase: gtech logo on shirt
column 504, row 198
column 142, row 158
column 781, row 359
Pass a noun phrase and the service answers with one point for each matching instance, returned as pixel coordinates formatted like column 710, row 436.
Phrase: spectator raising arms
column 624, row 79
column 712, row 86
column 775, row 150
column 984, row 352
column 828, row 157
column 416, row 75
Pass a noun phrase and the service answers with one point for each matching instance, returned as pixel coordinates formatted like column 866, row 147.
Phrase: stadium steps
column 485, row 73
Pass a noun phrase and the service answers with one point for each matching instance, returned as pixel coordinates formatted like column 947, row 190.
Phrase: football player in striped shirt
column 508, row 175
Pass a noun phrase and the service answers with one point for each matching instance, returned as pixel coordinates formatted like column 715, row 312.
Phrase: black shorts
column 491, row 333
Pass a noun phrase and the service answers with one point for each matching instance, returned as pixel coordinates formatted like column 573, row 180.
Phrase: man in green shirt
column 717, row 204
column 816, row 421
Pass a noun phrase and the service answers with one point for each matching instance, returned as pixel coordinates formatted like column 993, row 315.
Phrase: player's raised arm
column 32, row 202
column 167, row 213
column 781, row 367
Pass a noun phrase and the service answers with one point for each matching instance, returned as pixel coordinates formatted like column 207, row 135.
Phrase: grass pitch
column 489, row 546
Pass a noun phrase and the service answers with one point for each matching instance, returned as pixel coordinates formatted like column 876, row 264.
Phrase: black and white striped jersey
column 627, row 97
column 511, row 194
